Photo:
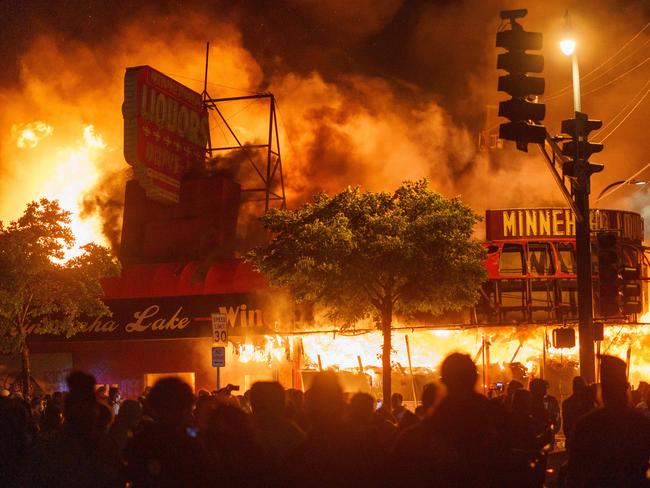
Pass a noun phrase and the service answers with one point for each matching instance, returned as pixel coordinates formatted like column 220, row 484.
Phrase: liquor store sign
column 166, row 131
column 524, row 223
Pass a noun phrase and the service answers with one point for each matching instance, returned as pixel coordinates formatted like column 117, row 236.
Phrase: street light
column 568, row 47
column 581, row 170
column 620, row 183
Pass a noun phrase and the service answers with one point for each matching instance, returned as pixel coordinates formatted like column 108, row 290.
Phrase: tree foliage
column 359, row 253
column 364, row 254
column 38, row 292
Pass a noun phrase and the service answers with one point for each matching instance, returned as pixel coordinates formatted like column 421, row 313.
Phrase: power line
column 617, row 52
column 216, row 84
column 621, row 61
column 633, row 68
column 622, row 184
column 626, row 117
column 242, row 109
column 613, row 118
column 584, row 77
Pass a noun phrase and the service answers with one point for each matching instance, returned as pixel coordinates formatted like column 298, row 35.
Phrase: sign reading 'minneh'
column 523, row 223
column 165, row 131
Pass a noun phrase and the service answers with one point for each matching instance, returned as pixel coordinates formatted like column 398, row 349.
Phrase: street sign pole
column 219, row 336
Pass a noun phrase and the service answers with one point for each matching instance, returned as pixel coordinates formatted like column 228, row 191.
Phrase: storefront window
column 511, row 261
column 567, row 257
column 540, row 259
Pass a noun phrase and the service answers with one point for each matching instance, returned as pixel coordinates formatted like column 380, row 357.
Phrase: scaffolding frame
column 270, row 176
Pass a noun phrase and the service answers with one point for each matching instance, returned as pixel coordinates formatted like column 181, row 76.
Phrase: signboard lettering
column 166, row 130
column 522, row 223
column 180, row 317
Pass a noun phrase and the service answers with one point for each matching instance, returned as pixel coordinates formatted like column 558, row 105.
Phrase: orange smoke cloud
column 336, row 128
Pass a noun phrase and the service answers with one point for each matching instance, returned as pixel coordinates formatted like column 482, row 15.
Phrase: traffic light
column 599, row 331
column 630, row 289
column 564, row 337
column 523, row 113
column 609, row 280
column 579, row 149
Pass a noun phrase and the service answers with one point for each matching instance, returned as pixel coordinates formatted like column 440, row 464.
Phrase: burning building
column 186, row 214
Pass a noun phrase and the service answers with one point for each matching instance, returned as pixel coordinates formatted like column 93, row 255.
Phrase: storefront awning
column 227, row 276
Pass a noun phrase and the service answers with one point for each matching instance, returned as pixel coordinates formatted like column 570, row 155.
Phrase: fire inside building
column 188, row 216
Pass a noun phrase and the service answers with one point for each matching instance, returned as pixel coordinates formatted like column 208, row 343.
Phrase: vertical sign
column 166, row 131
column 219, row 328
column 218, row 356
column 219, row 336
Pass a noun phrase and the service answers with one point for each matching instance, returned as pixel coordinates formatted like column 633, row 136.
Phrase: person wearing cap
column 611, row 445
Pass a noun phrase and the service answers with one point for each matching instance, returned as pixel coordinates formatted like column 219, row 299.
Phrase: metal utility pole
column 524, row 128
column 580, row 189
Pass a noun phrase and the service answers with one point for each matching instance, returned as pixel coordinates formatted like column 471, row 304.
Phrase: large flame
column 505, row 345
column 71, row 169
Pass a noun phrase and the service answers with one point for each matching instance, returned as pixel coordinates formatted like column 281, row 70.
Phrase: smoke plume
column 372, row 93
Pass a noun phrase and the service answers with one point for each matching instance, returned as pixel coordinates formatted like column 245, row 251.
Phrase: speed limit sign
column 219, row 328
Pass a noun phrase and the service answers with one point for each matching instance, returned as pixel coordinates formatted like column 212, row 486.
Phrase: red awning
column 182, row 279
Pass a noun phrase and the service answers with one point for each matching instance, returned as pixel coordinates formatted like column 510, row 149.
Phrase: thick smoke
column 370, row 94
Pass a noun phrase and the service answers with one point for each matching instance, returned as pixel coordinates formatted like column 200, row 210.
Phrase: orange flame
column 429, row 347
column 73, row 168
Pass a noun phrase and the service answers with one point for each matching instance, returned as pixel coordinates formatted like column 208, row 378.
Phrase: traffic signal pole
column 524, row 128
column 580, row 187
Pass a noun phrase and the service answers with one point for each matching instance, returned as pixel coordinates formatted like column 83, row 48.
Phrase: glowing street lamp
column 568, row 48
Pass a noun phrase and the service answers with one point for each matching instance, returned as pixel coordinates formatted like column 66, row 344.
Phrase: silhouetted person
column 463, row 444
column 234, row 456
column 276, row 434
column 506, row 400
column 611, row 445
column 430, row 398
column 101, row 393
column 405, row 418
column 373, row 433
column 644, row 405
column 104, row 417
column 165, row 453
column 52, row 419
column 126, row 421
column 328, row 456
column 545, row 411
column 114, row 399
column 81, row 454
column 17, row 435
column 524, row 468
column 578, row 404
column 295, row 405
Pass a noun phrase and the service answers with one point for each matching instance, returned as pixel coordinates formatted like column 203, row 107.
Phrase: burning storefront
column 181, row 235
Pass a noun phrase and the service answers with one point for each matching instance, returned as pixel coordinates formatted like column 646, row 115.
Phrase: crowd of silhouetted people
column 456, row 437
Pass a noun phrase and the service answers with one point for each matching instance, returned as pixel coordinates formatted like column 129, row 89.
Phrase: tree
column 39, row 294
column 364, row 254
